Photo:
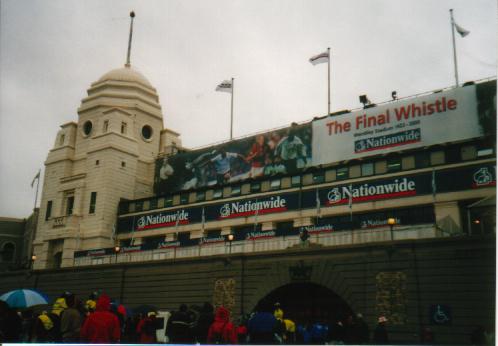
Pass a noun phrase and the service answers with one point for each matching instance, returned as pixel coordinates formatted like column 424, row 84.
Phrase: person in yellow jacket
column 289, row 336
column 91, row 303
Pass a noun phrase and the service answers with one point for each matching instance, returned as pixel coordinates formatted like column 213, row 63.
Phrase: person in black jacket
column 206, row 318
column 362, row 330
column 10, row 324
column 380, row 333
column 179, row 327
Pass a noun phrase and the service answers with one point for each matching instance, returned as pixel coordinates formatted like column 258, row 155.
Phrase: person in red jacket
column 147, row 329
column 102, row 326
column 222, row 330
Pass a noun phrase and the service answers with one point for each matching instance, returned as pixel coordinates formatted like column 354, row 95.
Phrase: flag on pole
column 37, row 176
column 203, row 220
column 318, row 210
column 320, row 58
column 113, row 233
column 461, row 30
column 225, row 86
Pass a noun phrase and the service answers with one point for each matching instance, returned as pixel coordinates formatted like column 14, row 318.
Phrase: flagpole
column 37, row 185
column 231, row 113
column 454, row 46
column 328, row 90
column 132, row 16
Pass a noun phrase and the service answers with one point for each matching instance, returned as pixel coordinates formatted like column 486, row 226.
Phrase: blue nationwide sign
column 474, row 177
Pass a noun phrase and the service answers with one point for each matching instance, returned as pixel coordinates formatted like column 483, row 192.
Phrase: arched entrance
column 308, row 302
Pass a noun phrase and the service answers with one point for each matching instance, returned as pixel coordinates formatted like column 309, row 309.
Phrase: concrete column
column 68, row 252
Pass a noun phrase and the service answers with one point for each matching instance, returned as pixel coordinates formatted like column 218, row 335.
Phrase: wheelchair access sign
column 440, row 314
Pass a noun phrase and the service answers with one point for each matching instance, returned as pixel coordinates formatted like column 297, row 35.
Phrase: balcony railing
column 272, row 244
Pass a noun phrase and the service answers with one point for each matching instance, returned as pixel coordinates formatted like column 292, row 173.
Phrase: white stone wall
column 116, row 165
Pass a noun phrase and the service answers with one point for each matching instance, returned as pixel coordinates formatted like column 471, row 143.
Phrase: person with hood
column 91, row 303
column 179, row 325
column 206, row 318
column 222, row 330
column 262, row 325
column 55, row 316
column 70, row 321
column 102, row 326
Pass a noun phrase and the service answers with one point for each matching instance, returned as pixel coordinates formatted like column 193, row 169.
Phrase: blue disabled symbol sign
column 440, row 314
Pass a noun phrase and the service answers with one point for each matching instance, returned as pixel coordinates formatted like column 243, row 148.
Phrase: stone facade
column 16, row 236
column 106, row 156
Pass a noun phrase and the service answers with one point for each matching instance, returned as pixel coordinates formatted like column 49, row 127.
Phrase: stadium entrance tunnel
column 307, row 303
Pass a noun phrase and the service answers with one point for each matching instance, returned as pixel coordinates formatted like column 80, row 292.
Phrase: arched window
column 8, row 251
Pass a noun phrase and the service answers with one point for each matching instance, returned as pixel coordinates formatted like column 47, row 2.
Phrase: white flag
column 203, row 220
column 461, row 30
column 320, row 58
column 225, row 86
column 37, row 176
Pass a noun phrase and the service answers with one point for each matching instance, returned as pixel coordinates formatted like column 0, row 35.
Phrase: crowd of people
column 100, row 320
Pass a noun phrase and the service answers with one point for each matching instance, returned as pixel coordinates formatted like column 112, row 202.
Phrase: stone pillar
column 68, row 252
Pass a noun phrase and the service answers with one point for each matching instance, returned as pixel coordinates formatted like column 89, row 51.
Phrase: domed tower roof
column 125, row 74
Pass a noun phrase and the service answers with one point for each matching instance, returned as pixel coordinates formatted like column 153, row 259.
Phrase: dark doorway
column 308, row 303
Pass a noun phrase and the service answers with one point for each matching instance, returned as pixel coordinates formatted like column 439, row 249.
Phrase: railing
column 273, row 244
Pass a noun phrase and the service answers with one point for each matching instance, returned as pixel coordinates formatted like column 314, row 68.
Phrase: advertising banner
column 407, row 216
column 467, row 178
column 284, row 151
column 437, row 118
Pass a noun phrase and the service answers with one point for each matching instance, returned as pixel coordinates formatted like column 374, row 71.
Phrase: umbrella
column 24, row 298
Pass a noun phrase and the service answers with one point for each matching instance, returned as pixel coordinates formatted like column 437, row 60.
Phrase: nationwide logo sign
column 248, row 208
column 210, row 241
column 318, row 229
column 135, row 248
column 375, row 223
column 180, row 217
column 168, row 244
column 387, row 141
column 483, row 178
column 260, row 235
column 99, row 252
column 373, row 191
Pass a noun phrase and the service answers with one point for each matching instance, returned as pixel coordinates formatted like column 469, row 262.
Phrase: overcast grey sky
column 51, row 51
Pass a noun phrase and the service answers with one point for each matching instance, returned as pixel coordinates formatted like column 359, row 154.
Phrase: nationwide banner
column 449, row 180
column 441, row 117
column 321, row 226
column 284, row 151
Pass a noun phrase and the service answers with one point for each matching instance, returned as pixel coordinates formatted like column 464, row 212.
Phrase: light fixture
column 391, row 222
column 477, row 221
column 33, row 258
column 116, row 249
column 230, row 237
column 364, row 99
column 394, row 95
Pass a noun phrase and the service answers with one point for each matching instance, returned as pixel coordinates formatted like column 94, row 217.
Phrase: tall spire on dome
column 132, row 16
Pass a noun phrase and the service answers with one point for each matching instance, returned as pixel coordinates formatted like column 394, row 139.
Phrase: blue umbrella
column 24, row 298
